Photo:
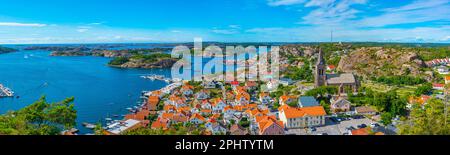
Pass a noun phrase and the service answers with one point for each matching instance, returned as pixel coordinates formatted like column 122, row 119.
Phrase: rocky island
column 157, row 60
column 6, row 50
column 127, row 58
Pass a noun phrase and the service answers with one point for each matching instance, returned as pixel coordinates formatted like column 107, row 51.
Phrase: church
column 342, row 81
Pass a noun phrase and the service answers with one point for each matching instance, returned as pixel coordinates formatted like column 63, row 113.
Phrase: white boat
column 89, row 126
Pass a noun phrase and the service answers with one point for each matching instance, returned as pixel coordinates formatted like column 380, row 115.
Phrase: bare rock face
column 292, row 50
column 377, row 61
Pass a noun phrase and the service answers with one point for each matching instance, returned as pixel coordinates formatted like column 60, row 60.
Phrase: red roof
column 235, row 83
column 331, row 67
column 438, row 85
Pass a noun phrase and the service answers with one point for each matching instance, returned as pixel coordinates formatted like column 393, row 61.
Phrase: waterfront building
column 124, row 126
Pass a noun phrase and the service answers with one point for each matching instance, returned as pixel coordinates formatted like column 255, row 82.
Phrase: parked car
column 373, row 125
column 334, row 119
column 350, row 128
column 362, row 126
column 357, row 117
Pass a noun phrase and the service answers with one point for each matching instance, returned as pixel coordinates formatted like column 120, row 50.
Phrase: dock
column 5, row 91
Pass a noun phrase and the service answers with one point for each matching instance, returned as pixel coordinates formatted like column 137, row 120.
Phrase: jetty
column 5, row 91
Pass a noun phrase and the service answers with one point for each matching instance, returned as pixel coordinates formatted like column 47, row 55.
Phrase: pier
column 5, row 92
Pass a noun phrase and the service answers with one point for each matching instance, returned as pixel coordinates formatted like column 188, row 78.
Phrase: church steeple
column 320, row 59
column 320, row 74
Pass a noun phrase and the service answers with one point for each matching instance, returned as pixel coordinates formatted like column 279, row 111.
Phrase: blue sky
column 116, row 21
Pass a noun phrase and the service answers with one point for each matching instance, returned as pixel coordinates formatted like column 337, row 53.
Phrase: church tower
column 320, row 71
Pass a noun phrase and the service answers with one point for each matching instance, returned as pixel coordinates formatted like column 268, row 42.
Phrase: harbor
column 5, row 91
column 142, row 107
column 160, row 78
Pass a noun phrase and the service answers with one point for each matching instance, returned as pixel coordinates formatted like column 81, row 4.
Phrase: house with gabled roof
column 202, row 95
column 286, row 99
column 197, row 119
column 187, row 89
column 179, row 118
column 265, row 98
column 206, row 112
column 293, row 117
column 340, row 105
column 242, row 98
column 161, row 123
column 218, row 105
column 438, row 86
column 421, row 101
column 210, row 85
column 238, row 130
column 215, row 127
column 269, row 125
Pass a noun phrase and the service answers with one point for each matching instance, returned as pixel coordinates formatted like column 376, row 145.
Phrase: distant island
column 6, row 50
column 157, row 60
column 129, row 58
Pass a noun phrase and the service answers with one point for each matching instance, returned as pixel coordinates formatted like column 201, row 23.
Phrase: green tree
column 423, row 89
column 427, row 120
column 386, row 118
column 40, row 118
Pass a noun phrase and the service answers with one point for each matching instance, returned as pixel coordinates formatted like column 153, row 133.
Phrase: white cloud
column 415, row 12
column 13, row 24
column 419, row 4
column 446, row 39
column 331, row 12
column 232, row 29
column 235, row 26
column 322, row 34
column 82, row 30
column 225, row 31
column 284, row 2
column 321, row 3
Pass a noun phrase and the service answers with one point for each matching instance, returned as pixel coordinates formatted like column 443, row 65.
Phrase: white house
column 218, row 105
column 294, row 118
column 265, row 98
column 442, row 70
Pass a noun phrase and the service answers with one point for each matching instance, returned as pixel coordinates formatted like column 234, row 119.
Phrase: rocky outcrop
column 378, row 61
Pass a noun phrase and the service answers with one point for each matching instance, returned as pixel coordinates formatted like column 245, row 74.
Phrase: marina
column 58, row 78
column 160, row 78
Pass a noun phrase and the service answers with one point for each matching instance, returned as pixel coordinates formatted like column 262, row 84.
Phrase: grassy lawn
column 401, row 90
